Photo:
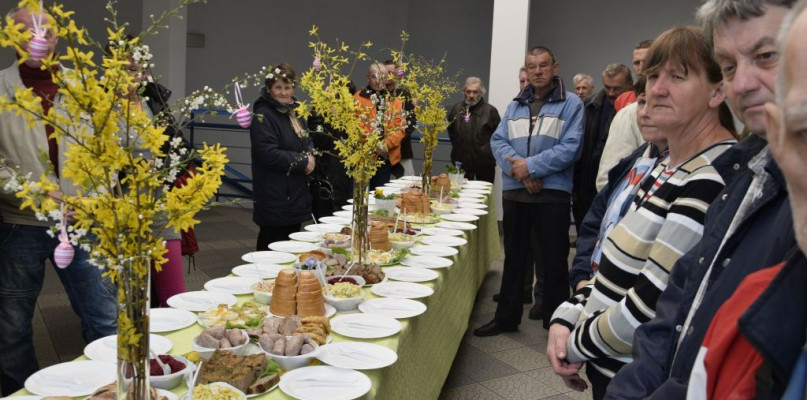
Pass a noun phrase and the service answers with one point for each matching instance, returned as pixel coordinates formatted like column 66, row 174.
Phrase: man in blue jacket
column 747, row 228
column 536, row 146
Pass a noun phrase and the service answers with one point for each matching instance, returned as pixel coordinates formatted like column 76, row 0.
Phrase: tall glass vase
column 133, row 328
column 361, row 243
column 426, row 176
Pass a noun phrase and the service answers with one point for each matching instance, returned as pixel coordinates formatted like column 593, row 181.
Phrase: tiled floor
column 511, row 366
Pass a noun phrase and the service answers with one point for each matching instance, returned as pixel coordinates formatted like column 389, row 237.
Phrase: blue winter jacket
column 763, row 239
column 553, row 145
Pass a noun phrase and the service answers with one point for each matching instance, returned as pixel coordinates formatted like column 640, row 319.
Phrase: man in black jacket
column 472, row 122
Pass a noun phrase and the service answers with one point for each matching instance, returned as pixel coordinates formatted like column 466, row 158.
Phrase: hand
column 311, row 164
column 575, row 382
column 533, row 185
column 581, row 284
column 556, row 351
column 519, row 169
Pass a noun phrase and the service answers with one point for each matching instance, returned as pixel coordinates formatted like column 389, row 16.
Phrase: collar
column 282, row 108
column 558, row 93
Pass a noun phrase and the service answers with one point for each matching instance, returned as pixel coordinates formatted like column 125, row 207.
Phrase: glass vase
column 133, row 281
column 360, row 243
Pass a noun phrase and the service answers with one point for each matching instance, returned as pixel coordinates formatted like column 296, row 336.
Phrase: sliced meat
column 279, row 347
column 217, row 332
column 225, row 344
column 266, row 342
column 307, row 348
column 235, row 337
column 294, row 344
column 208, row 341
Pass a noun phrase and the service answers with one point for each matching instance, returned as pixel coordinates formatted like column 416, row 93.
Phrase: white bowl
column 261, row 296
column 171, row 381
column 347, row 303
column 288, row 363
column 206, row 352
column 401, row 245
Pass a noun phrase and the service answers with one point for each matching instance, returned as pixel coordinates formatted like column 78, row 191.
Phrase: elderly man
column 639, row 52
column 583, row 86
column 522, row 78
column 747, row 229
column 375, row 99
column 405, row 167
column 536, row 146
column 599, row 112
column 24, row 244
column 473, row 121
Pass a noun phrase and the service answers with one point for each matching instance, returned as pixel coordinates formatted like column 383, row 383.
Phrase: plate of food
column 459, row 217
column 384, row 258
column 357, row 355
column 169, row 319
column 268, row 257
column 258, row 271
column 247, row 315
column 73, row 379
column 365, row 326
column 338, row 265
column 105, row 349
column 305, row 236
column 444, row 241
column 433, row 250
column 393, row 308
column 429, row 262
column 292, row 246
column 419, row 218
column 231, row 284
column 261, row 376
column 463, row 226
column 200, row 300
column 324, row 228
column 441, row 232
column 320, row 382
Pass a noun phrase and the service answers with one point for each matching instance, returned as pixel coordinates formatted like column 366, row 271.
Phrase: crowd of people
column 688, row 276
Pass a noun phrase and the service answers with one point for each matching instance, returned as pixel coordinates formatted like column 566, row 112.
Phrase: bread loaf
column 284, row 295
column 379, row 237
column 414, row 202
column 310, row 301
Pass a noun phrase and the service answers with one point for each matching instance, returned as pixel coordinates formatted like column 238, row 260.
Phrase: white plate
column 317, row 383
column 268, row 257
column 292, row 246
column 258, row 271
column 343, row 214
column 12, row 397
column 431, row 250
column 105, row 349
column 467, row 192
column 357, row 355
column 168, row 395
column 169, row 319
column 402, row 290
column 429, row 262
column 201, row 300
column 470, row 211
column 74, row 378
column 394, row 308
column 411, row 178
column 411, row 274
column 441, row 232
column 459, row 217
column 370, row 200
column 483, row 184
column 370, row 206
column 470, row 199
column 324, row 228
column 336, row 220
column 444, row 240
column 305, row 236
column 231, row 284
column 463, row 226
column 365, row 326
column 478, row 206
column 329, row 311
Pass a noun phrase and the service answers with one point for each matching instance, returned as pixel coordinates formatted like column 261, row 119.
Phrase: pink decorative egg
column 244, row 117
column 467, row 117
column 399, row 72
column 317, row 63
column 38, row 47
column 63, row 254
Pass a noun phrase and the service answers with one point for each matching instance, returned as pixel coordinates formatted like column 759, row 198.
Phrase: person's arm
column 395, row 128
column 623, row 138
column 566, row 151
column 610, row 333
column 266, row 152
column 587, row 238
column 487, row 131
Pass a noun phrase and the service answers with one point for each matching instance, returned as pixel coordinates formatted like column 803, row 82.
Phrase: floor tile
column 522, row 358
column 519, row 387
column 480, row 366
column 473, row 391
column 492, row 344
column 548, row 377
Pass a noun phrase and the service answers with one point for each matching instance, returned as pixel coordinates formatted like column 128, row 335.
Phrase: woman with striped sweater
column 684, row 99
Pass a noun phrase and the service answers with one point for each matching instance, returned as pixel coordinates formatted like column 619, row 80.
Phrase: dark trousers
column 271, row 234
column 599, row 382
column 537, row 271
column 482, row 173
column 550, row 222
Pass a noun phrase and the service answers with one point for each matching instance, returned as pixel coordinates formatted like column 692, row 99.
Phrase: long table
column 428, row 343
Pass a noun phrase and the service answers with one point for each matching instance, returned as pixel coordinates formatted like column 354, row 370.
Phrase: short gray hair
column 716, row 12
column 784, row 33
column 580, row 77
column 614, row 69
column 472, row 79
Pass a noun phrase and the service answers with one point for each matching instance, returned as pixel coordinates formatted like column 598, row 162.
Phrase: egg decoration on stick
column 64, row 252
column 38, row 46
column 242, row 115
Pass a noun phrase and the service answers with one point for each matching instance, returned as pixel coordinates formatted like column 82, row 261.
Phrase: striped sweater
column 664, row 222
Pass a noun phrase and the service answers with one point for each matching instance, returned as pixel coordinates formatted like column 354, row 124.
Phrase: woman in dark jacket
column 280, row 160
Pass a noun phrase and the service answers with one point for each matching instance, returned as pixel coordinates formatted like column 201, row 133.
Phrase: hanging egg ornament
column 63, row 255
column 244, row 117
column 399, row 72
column 467, row 117
column 317, row 63
column 38, row 47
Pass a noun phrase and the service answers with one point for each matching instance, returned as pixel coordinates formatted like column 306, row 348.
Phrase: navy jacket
column 590, row 228
column 279, row 182
column 763, row 239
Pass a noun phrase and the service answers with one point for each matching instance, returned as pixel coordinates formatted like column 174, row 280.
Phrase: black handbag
column 322, row 201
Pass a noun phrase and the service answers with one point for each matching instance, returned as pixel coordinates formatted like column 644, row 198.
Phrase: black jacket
column 280, row 185
column 585, row 171
column 470, row 141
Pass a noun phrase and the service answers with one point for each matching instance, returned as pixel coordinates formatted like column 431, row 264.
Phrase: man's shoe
column 527, row 298
column 537, row 311
column 493, row 328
